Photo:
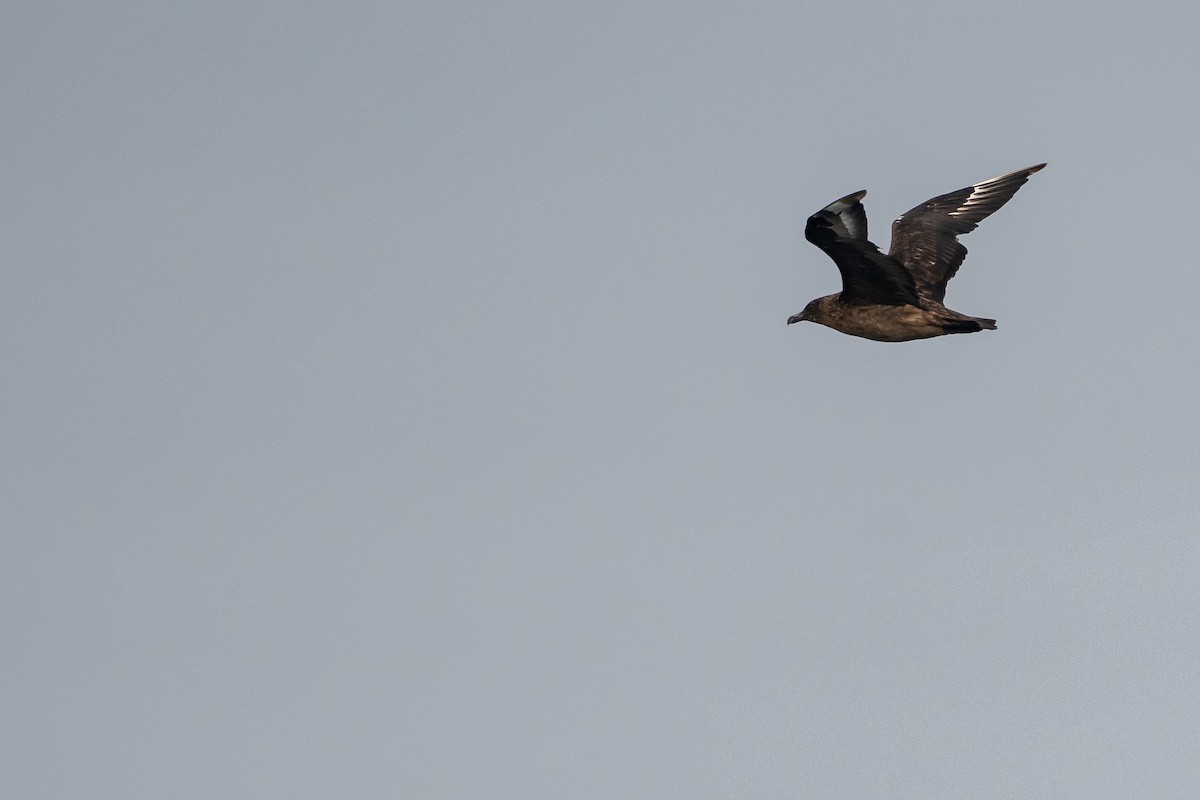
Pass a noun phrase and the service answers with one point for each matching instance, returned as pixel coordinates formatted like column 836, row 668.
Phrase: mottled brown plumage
column 897, row 296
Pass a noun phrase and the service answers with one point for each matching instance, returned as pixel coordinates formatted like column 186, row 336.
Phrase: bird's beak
column 797, row 318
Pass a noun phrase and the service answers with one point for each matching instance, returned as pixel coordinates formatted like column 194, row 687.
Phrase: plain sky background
column 398, row 403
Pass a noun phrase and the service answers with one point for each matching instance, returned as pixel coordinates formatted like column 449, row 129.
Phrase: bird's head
column 811, row 313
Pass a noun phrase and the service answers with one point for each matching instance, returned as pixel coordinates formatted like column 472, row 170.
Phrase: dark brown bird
column 896, row 297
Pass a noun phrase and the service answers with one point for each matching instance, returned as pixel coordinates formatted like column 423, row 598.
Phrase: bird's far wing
column 869, row 277
column 925, row 239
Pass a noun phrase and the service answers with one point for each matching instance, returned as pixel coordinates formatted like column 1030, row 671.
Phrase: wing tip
column 842, row 203
column 1017, row 174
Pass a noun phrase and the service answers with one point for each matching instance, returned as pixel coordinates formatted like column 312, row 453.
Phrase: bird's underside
column 897, row 296
column 893, row 323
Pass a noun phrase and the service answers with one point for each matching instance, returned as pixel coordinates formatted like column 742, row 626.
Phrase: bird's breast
column 885, row 323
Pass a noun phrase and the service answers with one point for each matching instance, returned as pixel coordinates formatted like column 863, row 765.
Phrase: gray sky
column 398, row 403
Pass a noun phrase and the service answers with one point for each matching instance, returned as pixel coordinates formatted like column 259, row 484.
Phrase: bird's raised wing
column 869, row 277
column 925, row 239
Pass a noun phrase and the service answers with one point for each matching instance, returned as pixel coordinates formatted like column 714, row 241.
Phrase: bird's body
column 897, row 296
column 888, row 323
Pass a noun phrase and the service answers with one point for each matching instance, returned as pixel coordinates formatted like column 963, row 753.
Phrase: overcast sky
column 398, row 403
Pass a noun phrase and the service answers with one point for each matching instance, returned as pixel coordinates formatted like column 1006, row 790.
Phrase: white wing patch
column 979, row 195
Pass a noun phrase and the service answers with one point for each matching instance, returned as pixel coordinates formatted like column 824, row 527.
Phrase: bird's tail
column 965, row 324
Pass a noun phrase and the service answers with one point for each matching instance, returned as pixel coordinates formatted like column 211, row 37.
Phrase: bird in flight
column 897, row 296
